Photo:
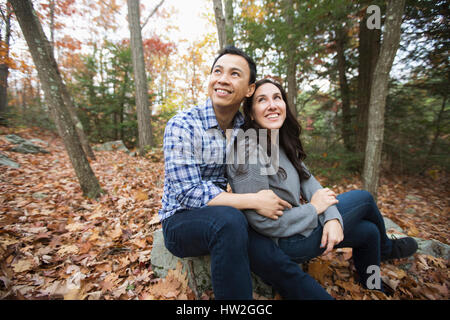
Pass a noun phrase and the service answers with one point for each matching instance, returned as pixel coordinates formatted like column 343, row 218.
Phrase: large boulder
column 25, row 146
column 28, row 147
column 13, row 138
column 198, row 268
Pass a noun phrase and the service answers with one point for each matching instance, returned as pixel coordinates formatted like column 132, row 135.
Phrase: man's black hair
column 239, row 52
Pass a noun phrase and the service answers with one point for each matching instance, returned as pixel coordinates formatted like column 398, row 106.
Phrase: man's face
column 229, row 82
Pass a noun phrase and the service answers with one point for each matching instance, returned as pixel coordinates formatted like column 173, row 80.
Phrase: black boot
column 401, row 248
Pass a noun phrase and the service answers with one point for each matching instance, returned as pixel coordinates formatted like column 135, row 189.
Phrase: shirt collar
column 210, row 121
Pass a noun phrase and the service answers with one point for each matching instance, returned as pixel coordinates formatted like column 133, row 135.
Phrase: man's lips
column 222, row 92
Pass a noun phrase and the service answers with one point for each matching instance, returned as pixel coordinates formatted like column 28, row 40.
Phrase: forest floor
column 56, row 244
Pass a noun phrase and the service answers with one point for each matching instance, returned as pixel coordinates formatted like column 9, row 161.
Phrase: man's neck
column 225, row 117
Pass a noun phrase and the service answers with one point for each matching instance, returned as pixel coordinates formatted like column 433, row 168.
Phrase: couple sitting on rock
column 263, row 226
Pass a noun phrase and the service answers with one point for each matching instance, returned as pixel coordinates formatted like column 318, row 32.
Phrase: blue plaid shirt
column 195, row 149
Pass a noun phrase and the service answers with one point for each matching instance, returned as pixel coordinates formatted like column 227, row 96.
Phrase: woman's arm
column 309, row 188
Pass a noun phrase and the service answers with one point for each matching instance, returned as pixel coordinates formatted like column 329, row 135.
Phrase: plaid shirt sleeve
column 182, row 166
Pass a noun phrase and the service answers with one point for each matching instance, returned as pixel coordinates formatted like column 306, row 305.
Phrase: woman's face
column 268, row 107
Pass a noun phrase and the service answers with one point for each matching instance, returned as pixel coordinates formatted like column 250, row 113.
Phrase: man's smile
column 222, row 92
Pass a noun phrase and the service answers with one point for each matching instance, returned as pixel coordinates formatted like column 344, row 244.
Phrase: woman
column 327, row 220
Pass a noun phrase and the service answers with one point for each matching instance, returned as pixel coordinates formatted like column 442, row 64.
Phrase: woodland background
column 81, row 229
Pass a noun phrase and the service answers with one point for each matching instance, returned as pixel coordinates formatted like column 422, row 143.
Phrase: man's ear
column 251, row 90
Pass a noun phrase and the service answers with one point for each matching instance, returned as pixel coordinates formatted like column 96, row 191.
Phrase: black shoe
column 401, row 248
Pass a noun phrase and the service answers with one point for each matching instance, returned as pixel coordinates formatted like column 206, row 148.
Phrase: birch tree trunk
column 140, row 78
column 55, row 90
column 378, row 93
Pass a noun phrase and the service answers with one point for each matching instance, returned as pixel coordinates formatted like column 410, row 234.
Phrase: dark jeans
column 364, row 231
column 235, row 249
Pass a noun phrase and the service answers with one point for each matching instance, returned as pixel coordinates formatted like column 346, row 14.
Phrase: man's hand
column 332, row 235
column 269, row 205
column 322, row 199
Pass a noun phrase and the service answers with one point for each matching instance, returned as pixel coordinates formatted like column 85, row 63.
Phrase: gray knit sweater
column 301, row 219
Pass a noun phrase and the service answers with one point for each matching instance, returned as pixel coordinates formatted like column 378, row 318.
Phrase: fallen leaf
column 140, row 195
column 23, row 265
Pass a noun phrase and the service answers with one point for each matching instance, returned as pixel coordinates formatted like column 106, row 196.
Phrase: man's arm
column 294, row 219
column 182, row 168
column 265, row 202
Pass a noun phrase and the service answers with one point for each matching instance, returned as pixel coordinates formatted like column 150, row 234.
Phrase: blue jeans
column 235, row 249
column 364, row 231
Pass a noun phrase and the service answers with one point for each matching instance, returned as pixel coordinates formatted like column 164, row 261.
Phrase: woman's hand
column 322, row 199
column 332, row 235
column 269, row 205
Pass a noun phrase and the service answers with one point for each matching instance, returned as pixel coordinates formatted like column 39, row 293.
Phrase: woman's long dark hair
column 289, row 133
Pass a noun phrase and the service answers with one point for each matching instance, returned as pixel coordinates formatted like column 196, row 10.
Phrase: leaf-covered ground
column 55, row 244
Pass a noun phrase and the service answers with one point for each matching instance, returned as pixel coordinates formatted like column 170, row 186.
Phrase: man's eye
column 235, row 74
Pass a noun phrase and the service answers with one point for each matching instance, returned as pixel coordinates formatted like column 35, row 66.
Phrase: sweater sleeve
column 299, row 219
column 309, row 187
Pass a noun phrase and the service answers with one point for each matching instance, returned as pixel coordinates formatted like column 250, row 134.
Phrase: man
column 199, row 217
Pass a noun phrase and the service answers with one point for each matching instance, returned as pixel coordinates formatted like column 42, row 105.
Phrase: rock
column 412, row 197
column 434, row 248
column 389, row 224
column 39, row 195
column 28, row 147
column 4, row 160
column 431, row 247
column 112, row 146
column 15, row 139
column 39, row 141
column 25, row 146
column 162, row 261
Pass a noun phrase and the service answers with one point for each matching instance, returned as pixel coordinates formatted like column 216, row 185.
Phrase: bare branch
column 152, row 13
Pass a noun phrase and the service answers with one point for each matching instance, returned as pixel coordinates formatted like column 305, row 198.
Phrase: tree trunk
column 220, row 23
column 341, row 40
column 378, row 94
column 437, row 133
column 140, row 78
column 291, row 72
column 78, row 125
column 55, row 90
column 4, row 69
column 229, row 24
column 369, row 48
column 52, row 24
